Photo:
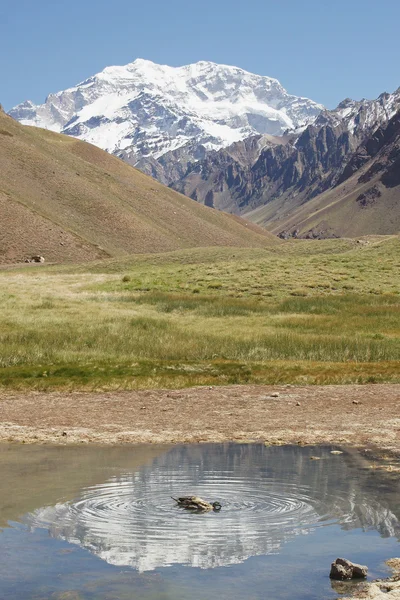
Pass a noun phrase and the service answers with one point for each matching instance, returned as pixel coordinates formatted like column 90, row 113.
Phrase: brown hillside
column 349, row 210
column 72, row 202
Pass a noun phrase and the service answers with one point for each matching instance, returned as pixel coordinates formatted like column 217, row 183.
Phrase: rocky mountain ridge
column 284, row 173
column 365, row 201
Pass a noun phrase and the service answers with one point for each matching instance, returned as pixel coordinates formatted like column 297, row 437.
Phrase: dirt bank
column 382, row 589
column 357, row 415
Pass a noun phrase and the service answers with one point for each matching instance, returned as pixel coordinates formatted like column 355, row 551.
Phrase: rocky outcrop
column 35, row 259
column 344, row 569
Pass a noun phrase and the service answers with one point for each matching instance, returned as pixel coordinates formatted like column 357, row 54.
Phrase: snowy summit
column 145, row 110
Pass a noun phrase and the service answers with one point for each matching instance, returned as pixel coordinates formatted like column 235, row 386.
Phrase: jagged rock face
column 302, row 165
column 225, row 179
column 145, row 110
column 364, row 200
column 385, row 145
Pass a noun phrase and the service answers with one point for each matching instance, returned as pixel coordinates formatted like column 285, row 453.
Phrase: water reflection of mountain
column 269, row 495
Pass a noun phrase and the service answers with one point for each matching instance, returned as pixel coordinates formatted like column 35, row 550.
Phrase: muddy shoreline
column 357, row 415
column 380, row 589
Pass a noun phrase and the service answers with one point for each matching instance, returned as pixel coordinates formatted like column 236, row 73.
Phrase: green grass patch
column 206, row 317
column 171, row 375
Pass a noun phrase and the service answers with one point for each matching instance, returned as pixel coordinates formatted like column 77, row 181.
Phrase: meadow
column 303, row 312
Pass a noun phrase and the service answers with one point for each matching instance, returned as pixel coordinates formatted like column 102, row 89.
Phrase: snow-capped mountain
column 363, row 116
column 146, row 110
column 358, row 116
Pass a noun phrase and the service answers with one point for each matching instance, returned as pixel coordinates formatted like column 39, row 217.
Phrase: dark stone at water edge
column 343, row 569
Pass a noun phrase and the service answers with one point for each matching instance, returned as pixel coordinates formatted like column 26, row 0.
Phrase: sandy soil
column 356, row 415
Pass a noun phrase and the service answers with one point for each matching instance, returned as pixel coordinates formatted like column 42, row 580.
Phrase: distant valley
column 240, row 143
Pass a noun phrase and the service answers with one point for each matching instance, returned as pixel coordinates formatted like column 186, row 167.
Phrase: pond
column 99, row 523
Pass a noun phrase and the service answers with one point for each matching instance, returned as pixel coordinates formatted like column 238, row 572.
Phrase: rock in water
column 343, row 569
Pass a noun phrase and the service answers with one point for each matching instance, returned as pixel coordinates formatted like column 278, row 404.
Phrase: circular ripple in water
column 132, row 520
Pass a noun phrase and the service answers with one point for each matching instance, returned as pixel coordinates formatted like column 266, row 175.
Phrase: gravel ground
column 354, row 414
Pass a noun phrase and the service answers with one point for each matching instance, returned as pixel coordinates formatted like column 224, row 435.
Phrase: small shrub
column 46, row 304
column 298, row 292
column 126, row 278
column 215, row 285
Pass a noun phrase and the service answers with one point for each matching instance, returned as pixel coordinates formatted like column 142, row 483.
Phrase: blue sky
column 327, row 50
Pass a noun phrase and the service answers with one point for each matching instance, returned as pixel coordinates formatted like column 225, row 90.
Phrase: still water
column 100, row 524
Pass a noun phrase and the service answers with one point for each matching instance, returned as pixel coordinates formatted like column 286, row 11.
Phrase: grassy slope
column 73, row 202
column 337, row 210
column 303, row 312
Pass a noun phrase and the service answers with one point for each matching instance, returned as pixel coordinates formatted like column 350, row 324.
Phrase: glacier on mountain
column 146, row 110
